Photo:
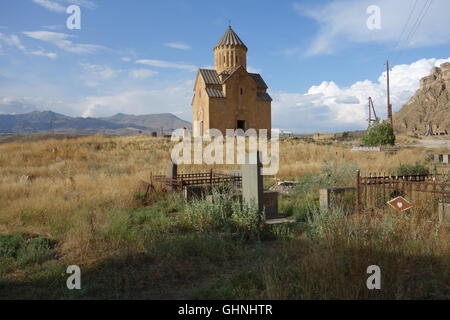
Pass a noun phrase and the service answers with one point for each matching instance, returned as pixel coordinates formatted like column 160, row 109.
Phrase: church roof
column 214, row 93
column 259, row 80
column 212, row 77
column 230, row 38
column 263, row 96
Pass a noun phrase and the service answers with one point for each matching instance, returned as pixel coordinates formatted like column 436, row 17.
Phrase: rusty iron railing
column 210, row 177
column 373, row 191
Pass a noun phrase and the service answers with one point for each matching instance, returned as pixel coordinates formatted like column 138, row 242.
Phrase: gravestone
column 446, row 158
column 330, row 198
column 270, row 200
column 442, row 158
column 437, row 158
column 444, row 213
column 171, row 173
column 252, row 181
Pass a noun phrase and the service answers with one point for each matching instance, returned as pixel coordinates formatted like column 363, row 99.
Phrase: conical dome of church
column 230, row 38
column 230, row 52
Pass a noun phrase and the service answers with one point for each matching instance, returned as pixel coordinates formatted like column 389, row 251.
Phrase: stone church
column 228, row 96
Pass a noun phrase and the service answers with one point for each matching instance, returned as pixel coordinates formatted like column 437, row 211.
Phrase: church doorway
column 240, row 124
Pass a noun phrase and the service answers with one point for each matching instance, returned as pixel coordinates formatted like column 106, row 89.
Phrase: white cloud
column 16, row 105
column 254, row 70
column 178, row 45
column 95, row 74
column 141, row 74
column 344, row 21
column 14, row 41
column 166, row 64
column 91, row 83
column 82, row 3
column 172, row 99
column 50, row 5
column 125, row 59
column 61, row 41
column 99, row 71
column 55, row 27
column 43, row 53
column 328, row 107
column 61, row 5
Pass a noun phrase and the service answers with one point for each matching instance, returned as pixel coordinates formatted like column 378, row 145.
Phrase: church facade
column 228, row 96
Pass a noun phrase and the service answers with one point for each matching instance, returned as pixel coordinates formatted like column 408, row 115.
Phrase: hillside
column 120, row 124
column 150, row 121
column 429, row 106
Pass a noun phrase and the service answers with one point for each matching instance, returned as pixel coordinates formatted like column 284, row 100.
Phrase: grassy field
column 80, row 206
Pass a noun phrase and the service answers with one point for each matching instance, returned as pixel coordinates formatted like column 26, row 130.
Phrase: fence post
column 358, row 192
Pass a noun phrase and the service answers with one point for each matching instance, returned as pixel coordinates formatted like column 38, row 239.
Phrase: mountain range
column 120, row 124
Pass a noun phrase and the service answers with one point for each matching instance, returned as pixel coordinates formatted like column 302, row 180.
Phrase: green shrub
column 304, row 199
column 247, row 220
column 411, row 169
column 10, row 245
column 37, row 250
column 23, row 249
column 379, row 134
column 223, row 211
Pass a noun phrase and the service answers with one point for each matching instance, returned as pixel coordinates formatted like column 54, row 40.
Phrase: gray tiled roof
column 259, row 80
column 263, row 96
column 210, row 76
column 230, row 38
column 215, row 93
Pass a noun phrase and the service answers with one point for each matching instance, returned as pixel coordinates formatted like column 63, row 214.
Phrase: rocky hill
column 429, row 107
column 120, row 124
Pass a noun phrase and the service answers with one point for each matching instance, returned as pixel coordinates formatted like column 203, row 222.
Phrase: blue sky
column 319, row 59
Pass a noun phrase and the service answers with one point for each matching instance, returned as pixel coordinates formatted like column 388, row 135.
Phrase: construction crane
column 372, row 112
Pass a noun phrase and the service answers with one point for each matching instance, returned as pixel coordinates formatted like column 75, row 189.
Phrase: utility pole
column 389, row 105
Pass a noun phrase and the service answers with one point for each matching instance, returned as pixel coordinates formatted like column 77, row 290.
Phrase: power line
column 415, row 27
column 409, row 35
column 406, row 24
column 419, row 21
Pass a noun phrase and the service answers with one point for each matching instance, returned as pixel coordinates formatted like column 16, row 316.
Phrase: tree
column 379, row 134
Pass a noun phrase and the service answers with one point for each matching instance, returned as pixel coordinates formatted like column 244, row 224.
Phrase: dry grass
column 75, row 180
column 82, row 189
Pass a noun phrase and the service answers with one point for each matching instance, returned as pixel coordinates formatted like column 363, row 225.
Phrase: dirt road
column 433, row 144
